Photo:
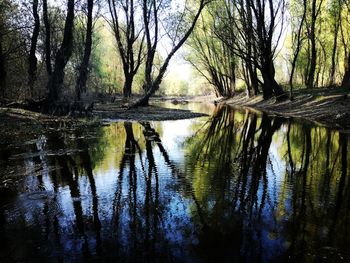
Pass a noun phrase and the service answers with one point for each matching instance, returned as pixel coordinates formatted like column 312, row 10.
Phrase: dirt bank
column 150, row 113
column 19, row 122
column 329, row 107
column 24, row 124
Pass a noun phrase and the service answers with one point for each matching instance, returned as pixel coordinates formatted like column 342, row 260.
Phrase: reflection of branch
column 87, row 164
column 57, row 143
column 175, row 172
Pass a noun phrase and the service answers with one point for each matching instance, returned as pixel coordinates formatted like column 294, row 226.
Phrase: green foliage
column 213, row 50
column 331, row 30
column 209, row 54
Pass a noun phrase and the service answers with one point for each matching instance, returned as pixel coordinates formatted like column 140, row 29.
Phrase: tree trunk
column 297, row 50
column 84, row 66
column 126, row 38
column 32, row 58
column 334, row 50
column 2, row 71
column 144, row 101
column 128, row 85
column 56, row 79
column 312, row 36
column 267, row 87
column 151, row 84
column 270, row 87
column 254, row 79
column 346, row 77
column 311, row 76
column 47, row 39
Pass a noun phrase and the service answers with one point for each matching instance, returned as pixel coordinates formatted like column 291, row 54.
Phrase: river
column 236, row 186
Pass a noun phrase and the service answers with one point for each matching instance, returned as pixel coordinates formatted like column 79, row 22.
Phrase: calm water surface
column 236, row 186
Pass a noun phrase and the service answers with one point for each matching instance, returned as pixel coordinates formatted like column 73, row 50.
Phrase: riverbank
column 328, row 107
column 114, row 111
column 24, row 123
column 20, row 123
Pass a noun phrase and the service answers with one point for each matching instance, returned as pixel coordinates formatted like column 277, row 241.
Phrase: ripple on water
column 40, row 195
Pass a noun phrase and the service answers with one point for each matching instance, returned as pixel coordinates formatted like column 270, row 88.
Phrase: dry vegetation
column 329, row 107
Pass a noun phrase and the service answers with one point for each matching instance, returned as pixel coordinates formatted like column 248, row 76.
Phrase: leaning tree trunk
column 84, row 67
column 56, row 79
column 150, row 85
column 47, row 39
column 34, row 40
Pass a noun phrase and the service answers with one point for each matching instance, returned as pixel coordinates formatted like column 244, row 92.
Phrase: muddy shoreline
column 320, row 107
column 19, row 122
column 150, row 113
column 325, row 107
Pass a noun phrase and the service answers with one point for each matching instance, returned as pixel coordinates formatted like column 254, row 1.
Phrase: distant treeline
column 58, row 51
column 53, row 51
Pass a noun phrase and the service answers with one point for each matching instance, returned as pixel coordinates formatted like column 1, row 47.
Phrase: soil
column 328, row 107
column 23, row 123
column 150, row 113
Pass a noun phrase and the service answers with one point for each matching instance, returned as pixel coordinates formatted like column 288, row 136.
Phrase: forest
column 186, row 131
column 69, row 50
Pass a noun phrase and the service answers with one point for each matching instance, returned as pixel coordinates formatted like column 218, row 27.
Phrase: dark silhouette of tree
column 87, row 165
column 84, row 66
column 265, row 28
column 129, row 39
column 298, row 42
column 2, row 67
column 343, row 27
column 336, row 9
column 150, row 10
column 256, row 25
column 311, row 32
column 243, row 28
column 55, row 84
column 47, row 38
column 32, row 70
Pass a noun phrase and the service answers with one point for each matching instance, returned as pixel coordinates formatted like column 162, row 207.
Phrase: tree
column 210, row 56
column 34, row 40
column 56, row 79
column 345, row 23
column 336, row 19
column 256, row 43
column 311, row 31
column 2, row 67
column 13, row 50
column 244, row 45
column 47, row 38
column 297, row 41
column 84, row 66
column 151, row 20
column 265, row 14
column 129, row 39
column 252, row 77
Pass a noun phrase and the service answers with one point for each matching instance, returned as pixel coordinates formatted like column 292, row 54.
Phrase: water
column 235, row 186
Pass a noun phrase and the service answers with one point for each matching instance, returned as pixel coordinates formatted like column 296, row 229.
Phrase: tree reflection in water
column 247, row 187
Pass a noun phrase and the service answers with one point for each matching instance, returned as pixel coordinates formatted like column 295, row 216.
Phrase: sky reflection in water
column 235, row 186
